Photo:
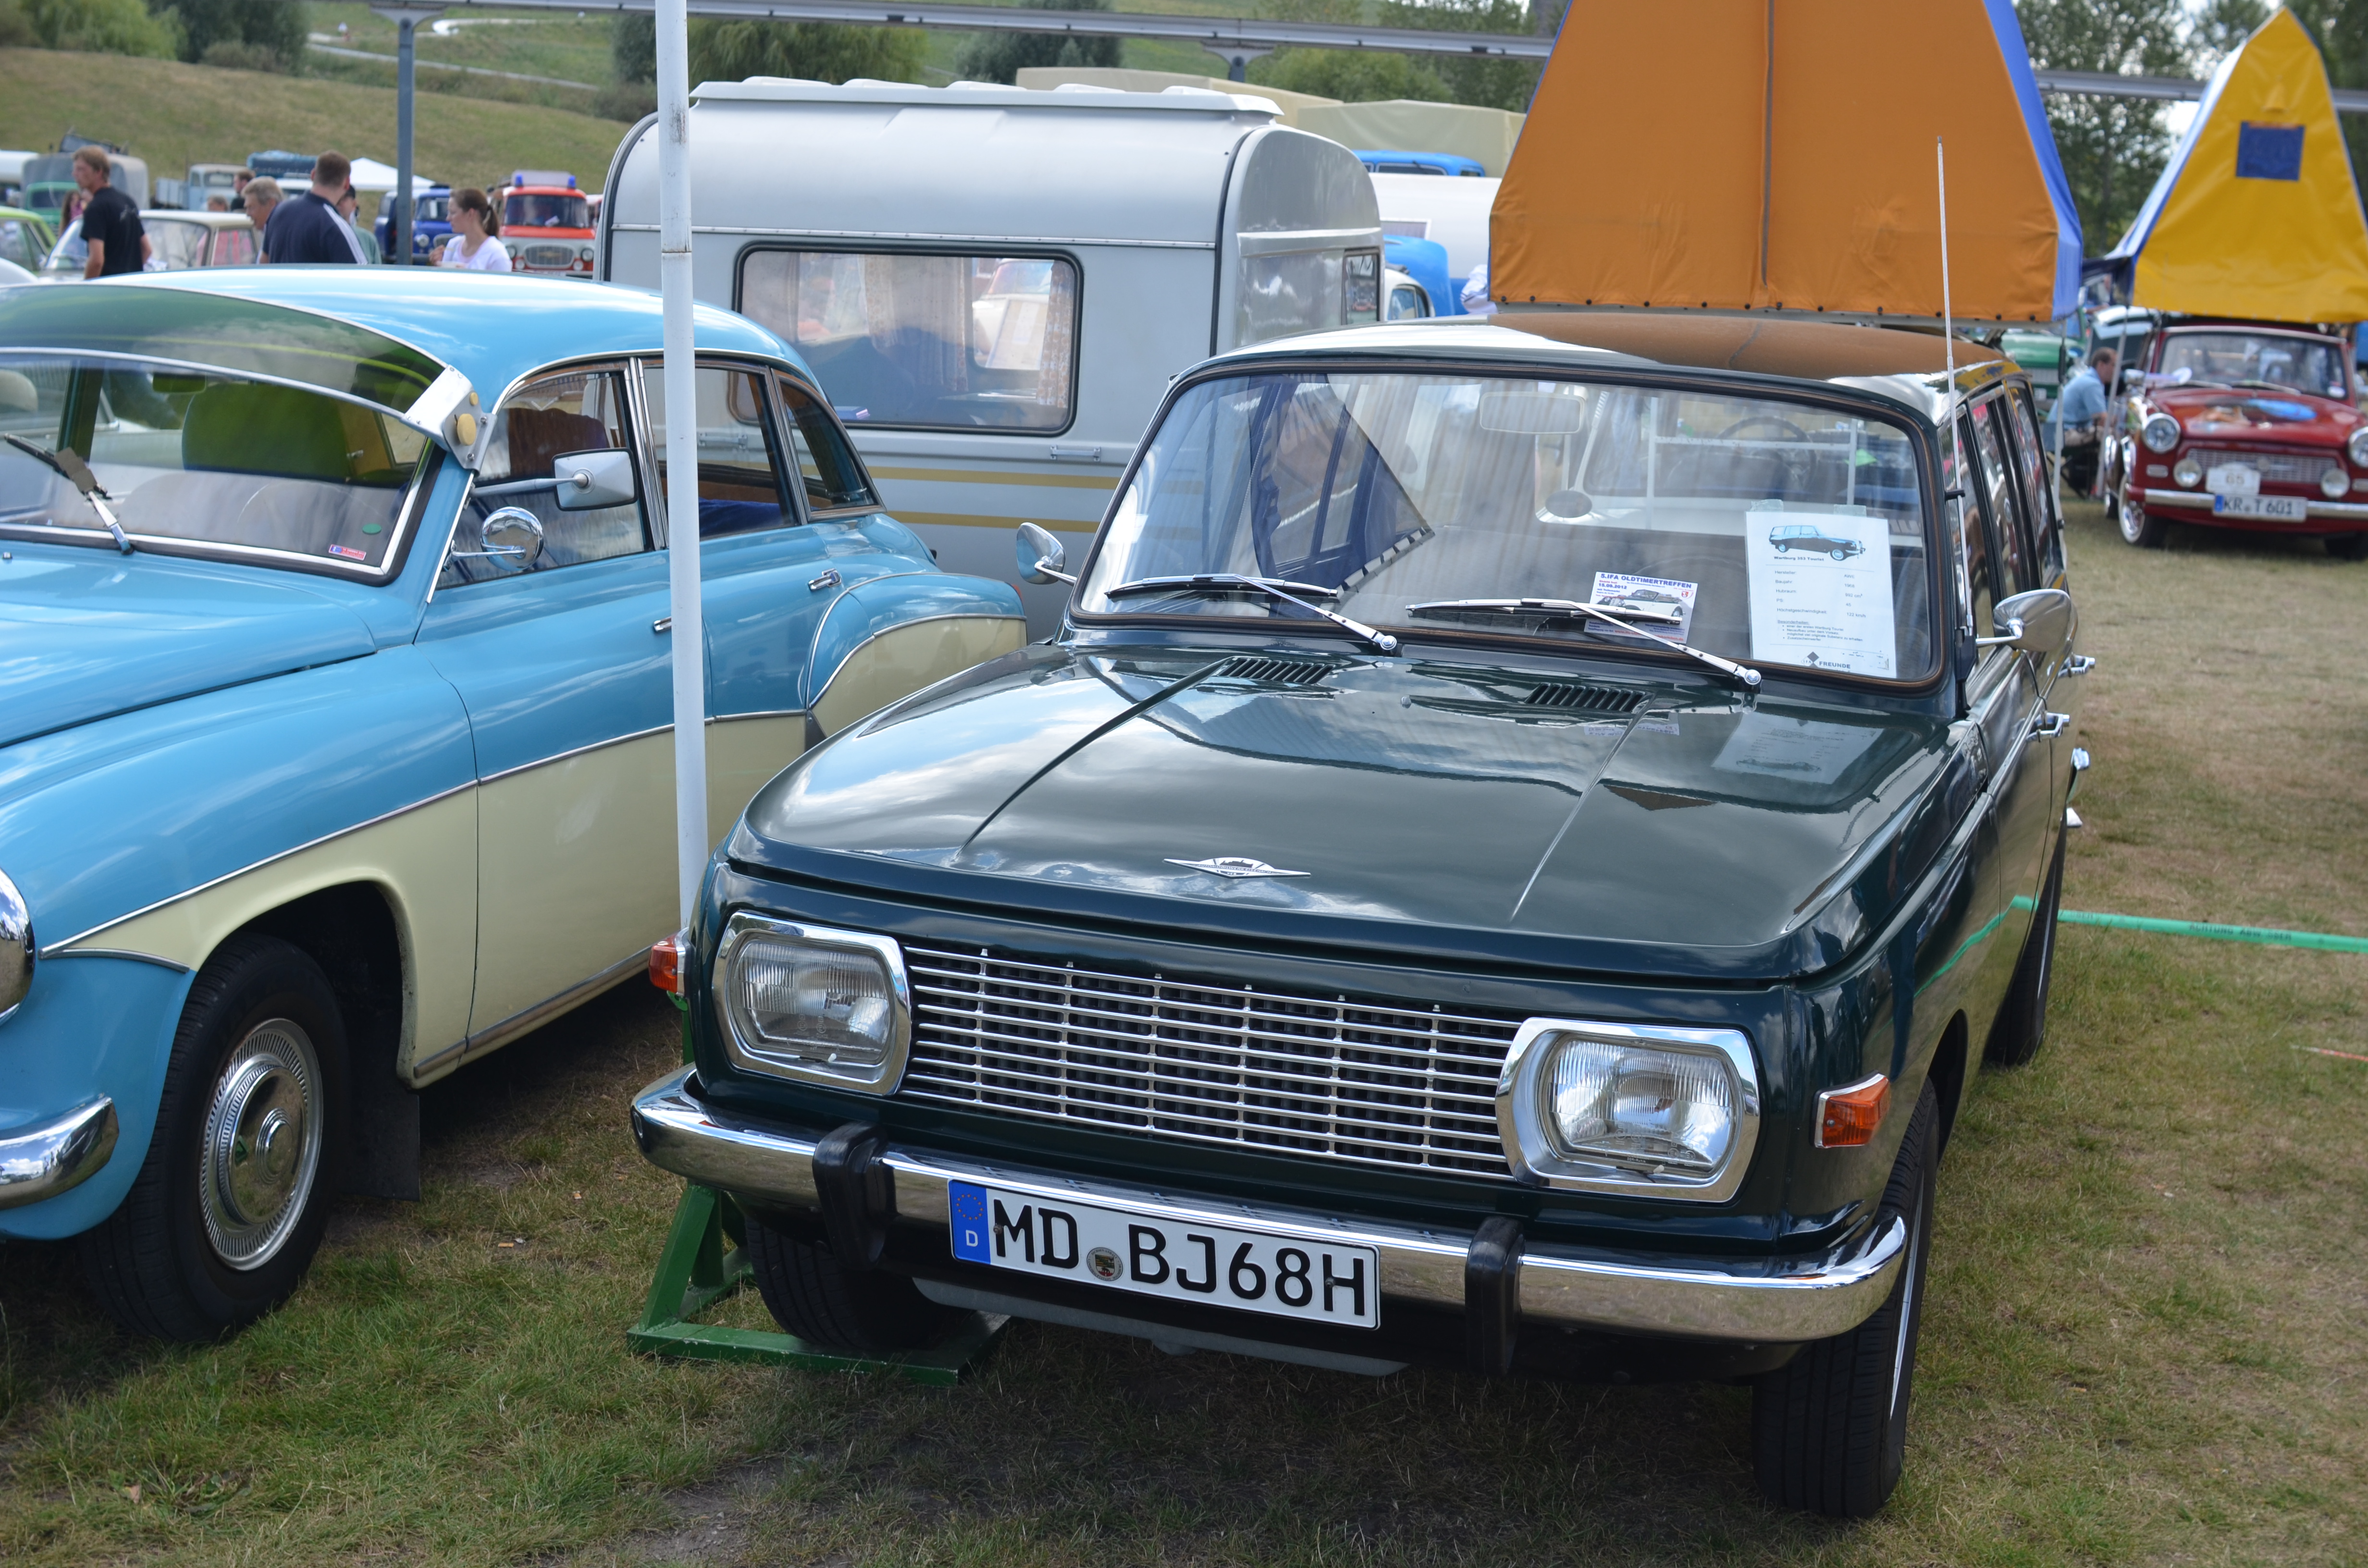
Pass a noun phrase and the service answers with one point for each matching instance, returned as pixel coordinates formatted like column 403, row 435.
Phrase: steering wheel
column 1792, row 432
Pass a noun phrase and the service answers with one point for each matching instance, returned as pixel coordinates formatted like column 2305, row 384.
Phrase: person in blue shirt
column 2081, row 412
column 308, row 229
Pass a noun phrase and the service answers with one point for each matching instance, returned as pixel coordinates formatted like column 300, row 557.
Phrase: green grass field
column 175, row 115
column 2141, row 1346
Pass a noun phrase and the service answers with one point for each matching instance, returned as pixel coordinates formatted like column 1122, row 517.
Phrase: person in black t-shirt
column 310, row 228
column 110, row 223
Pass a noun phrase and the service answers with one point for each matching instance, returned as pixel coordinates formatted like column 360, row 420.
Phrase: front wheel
column 2140, row 527
column 821, row 1300
column 1829, row 1428
column 228, row 1205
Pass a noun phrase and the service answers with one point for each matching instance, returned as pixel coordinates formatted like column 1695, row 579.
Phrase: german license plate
column 1219, row 1266
column 2285, row 508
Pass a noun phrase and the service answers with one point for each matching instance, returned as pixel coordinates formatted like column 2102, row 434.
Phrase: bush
column 625, row 102
column 1355, row 76
column 1000, row 57
column 16, row 30
column 255, row 29
column 821, row 52
column 231, row 55
column 102, row 26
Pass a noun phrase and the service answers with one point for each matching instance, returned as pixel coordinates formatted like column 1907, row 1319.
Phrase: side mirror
column 512, row 534
column 1042, row 556
column 2041, row 621
column 589, row 481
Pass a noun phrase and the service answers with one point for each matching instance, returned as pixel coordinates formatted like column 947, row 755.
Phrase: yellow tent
column 1778, row 155
column 2255, row 215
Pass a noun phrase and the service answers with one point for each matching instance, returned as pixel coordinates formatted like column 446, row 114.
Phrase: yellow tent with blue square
column 2257, row 214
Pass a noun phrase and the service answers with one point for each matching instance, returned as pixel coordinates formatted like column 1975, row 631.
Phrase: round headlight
column 15, row 946
column 2356, row 448
column 2335, row 483
column 2188, row 471
column 2160, row 432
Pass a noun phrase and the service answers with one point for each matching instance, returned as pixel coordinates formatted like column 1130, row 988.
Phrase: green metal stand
column 706, row 1260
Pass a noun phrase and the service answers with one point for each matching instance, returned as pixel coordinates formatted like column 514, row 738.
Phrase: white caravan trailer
column 995, row 286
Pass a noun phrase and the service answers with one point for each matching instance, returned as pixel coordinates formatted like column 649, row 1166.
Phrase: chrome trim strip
column 1765, row 1299
column 45, row 1159
column 531, row 1018
column 576, row 752
column 2196, row 500
column 1002, row 240
column 54, row 948
column 176, row 967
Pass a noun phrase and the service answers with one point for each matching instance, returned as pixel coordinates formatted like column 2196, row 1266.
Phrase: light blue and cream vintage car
column 336, row 721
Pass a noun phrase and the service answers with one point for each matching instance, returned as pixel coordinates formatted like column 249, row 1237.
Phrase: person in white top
column 473, row 247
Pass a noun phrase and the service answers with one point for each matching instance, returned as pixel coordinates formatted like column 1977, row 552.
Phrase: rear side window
column 556, row 416
column 833, row 478
column 2032, row 464
column 233, row 247
column 2010, row 547
column 1976, row 537
column 937, row 342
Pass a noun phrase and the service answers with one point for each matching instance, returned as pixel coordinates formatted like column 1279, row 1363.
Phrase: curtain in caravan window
column 945, row 342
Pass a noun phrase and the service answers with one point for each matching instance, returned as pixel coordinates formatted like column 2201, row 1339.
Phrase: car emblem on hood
column 1235, row 866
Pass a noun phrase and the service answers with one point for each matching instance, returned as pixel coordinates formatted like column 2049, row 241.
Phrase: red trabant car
column 547, row 224
column 2243, row 425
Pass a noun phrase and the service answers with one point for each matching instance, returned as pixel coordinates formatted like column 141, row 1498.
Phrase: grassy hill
column 175, row 115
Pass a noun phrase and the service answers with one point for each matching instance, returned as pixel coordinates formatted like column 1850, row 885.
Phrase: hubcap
column 262, row 1144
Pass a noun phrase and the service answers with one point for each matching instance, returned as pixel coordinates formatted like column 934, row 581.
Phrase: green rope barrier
column 2267, row 935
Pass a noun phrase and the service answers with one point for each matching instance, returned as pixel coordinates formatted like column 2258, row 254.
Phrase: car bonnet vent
column 1582, row 699
column 1274, row 672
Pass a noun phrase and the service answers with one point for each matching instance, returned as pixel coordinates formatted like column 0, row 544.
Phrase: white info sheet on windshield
column 1821, row 588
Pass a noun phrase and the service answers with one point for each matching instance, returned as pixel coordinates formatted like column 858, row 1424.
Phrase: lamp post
column 407, row 20
column 679, row 379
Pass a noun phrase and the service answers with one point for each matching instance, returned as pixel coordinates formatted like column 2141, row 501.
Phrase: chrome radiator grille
column 555, row 258
column 1212, row 1064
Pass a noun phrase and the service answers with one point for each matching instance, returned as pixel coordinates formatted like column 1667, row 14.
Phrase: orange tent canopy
column 1778, row 155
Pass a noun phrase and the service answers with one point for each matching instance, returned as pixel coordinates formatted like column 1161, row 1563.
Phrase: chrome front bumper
column 2201, row 501
column 47, row 1158
column 1772, row 1301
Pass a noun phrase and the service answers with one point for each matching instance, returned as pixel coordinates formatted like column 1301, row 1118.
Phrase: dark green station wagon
column 1454, row 892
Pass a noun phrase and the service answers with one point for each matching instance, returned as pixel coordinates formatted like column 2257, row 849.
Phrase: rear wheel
column 814, row 1296
column 2020, row 1028
column 2140, row 527
column 2348, row 547
column 229, row 1203
column 1829, row 1428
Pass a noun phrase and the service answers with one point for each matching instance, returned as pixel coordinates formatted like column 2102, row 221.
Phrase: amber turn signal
column 666, row 961
column 1847, row 1119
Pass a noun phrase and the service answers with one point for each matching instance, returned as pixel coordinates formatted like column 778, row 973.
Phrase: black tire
column 2021, row 1027
column 1829, row 1428
column 811, row 1295
column 2140, row 527
column 228, row 1208
column 2348, row 547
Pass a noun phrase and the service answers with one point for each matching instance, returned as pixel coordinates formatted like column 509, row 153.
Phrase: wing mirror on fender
column 1042, row 556
column 589, row 481
column 511, row 534
column 2041, row 621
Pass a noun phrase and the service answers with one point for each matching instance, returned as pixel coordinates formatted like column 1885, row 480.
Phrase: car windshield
column 249, row 469
column 1759, row 528
column 2254, row 359
column 546, row 213
column 431, row 208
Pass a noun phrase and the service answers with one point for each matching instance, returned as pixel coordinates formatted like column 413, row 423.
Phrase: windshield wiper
column 1282, row 588
column 77, row 472
column 1625, row 619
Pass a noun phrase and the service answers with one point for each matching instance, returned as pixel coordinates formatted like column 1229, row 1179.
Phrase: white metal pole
column 681, row 387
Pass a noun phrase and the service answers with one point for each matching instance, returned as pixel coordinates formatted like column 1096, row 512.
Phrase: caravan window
column 947, row 342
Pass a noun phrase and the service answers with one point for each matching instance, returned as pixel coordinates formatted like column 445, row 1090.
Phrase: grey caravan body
column 994, row 284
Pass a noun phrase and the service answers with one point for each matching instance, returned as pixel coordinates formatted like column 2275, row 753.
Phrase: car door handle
column 2047, row 726
column 829, row 579
column 663, row 624
column 2077, row 665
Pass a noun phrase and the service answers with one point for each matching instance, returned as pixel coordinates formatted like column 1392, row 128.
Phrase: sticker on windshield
column 1653, row 599
column 1821, row 589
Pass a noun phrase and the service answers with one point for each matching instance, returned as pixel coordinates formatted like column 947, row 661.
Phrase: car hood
column 86, row 634
column 2257, row 413
column 1673, row 828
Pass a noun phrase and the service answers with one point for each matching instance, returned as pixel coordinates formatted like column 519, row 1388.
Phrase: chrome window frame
column 1529, row 1148
column 756, row 1059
